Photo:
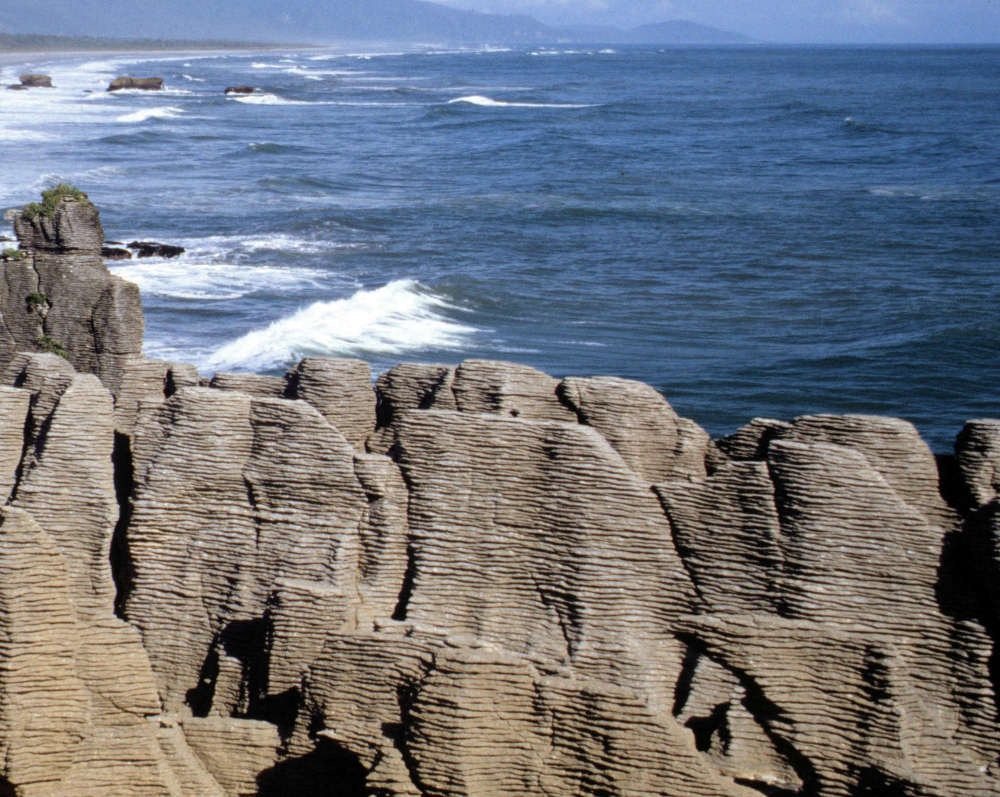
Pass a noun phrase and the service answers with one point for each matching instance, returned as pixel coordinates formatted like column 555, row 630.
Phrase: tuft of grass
column 51, row 199
column 13, row 254
column 35, row 300
column 47, row 344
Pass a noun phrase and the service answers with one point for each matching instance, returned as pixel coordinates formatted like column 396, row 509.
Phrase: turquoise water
column 753, row 231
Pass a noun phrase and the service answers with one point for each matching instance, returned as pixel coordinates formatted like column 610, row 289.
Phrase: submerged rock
column 239, row 90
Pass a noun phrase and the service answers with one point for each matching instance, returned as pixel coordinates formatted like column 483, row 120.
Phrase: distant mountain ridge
column 328, row 21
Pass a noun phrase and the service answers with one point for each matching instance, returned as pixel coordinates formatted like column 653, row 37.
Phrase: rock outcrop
column 60, row 297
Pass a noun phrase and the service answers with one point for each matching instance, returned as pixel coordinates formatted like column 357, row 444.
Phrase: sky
column 947, row 21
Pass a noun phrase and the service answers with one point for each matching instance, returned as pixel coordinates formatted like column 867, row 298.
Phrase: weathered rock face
column 79, row 712
column 526, row 586
column 61, row 297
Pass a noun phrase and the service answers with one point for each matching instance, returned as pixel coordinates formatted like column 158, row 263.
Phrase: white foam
column 192, row 78
column 395, row 319
column 193, row 280
column 263, row 98
column 217, row 248
column 489, row 102
column 163, row 112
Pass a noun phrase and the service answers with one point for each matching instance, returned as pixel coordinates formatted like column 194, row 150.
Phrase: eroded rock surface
column 524, row 586
column 61, row 297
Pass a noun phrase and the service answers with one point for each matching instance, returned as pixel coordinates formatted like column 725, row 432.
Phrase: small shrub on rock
column 51, row 199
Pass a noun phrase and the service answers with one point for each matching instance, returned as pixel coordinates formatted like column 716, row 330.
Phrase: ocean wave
column 489, row 102
column 398, row 318
column 163, row 112
column 193, row 79
column 264, row 98
column 200, row 281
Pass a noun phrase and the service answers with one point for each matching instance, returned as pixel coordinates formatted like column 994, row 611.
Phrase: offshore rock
column 62, row 298
column 35, row 80
column 155, row 249
column 143, row 83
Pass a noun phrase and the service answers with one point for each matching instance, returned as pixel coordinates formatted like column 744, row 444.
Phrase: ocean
column 754, row 231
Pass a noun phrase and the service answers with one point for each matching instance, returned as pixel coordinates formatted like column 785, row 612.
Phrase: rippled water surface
column 753, row 231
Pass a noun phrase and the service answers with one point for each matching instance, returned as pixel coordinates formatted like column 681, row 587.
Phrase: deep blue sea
column 755, row 231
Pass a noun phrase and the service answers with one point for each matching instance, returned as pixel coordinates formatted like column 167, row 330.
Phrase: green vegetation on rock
column 36, row 299
column 51, row 199
column 13, row 254
column 49, row 345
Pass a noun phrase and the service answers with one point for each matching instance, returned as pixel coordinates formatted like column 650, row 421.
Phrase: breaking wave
column 164, row 112
column 489, row 102
column 398, row 318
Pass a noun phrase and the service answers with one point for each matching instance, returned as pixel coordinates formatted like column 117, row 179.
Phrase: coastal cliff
column 468, row 580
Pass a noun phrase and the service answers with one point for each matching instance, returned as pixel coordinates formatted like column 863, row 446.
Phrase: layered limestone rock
column 524, row 586
column 60, row 296
column 79, row 713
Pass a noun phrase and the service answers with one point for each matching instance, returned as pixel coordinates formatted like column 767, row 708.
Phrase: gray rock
column 63, row 298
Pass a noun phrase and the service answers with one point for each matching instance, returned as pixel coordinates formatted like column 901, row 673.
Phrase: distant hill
column 323, row 22
column 680, row 31
column 306, row 21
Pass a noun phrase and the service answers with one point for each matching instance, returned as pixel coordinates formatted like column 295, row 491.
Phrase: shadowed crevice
column 122, row 566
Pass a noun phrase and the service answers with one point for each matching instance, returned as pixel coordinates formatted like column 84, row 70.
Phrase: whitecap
column 489, row 102
column 193, row 280
column 163, row 112
column 398, row 318
column 193, row 79
column 263, row 98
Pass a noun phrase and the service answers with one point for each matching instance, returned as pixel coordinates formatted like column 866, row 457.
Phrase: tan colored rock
column 233, row 493
column 234, row 751
column 342, row 392
column 536, row 537
column 148, row 382
column 251, row 384
column 978, row 453
column 656, row 443
column 503, row 388
column 409, row 386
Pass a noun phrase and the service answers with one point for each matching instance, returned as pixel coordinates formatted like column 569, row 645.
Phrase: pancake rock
column 61, row 297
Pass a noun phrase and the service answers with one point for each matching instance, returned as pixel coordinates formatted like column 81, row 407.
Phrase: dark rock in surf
column 114, row 253
column 16, row 87
column 240, row 90
column 144, row 83
column 155, row 249
column 36, row 81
